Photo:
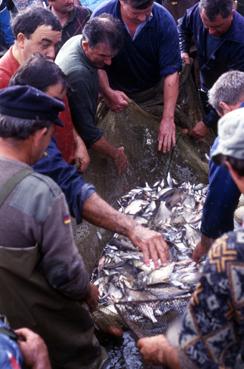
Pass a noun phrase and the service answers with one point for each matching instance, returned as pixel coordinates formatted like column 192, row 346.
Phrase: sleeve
column 5, row 28
column 61, row 262
column 76, row 190
column 208, row 338
column 83, row 109
column 169, row 52
column 185, row 31
column 220, row 204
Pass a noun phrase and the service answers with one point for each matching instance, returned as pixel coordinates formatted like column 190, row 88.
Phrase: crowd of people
column 59, row 59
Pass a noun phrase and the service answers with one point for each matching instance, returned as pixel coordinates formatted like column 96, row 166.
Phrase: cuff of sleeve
column 211, row 119
column 86, row 192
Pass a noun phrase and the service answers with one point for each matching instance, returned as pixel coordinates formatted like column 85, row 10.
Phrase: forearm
column 104, row 86
column 100, row 213
column 172, row 358
column 170, row 95
column 105, row 148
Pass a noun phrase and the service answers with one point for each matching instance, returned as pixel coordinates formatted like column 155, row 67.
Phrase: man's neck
column 18, row 54
column 62, row 17
column 10, row 150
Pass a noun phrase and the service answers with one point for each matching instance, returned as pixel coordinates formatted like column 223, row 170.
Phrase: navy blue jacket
column 229, row 54
column 221, row 202
column 76, row 190
column 153, row 54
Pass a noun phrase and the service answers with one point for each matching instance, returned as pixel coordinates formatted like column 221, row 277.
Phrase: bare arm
column 82, row 158
column 166, row 136
column 117, row 154
column 151, row 243
column 116, row 100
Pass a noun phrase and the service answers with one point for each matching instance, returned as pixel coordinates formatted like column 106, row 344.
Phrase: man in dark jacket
column 217, row 30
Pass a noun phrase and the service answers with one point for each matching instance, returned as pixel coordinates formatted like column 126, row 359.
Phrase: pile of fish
column 175, row 211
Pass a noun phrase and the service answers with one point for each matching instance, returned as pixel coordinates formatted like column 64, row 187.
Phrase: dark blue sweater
column 152, row 55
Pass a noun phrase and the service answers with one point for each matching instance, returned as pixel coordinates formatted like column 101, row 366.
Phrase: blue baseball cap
column 26, row 102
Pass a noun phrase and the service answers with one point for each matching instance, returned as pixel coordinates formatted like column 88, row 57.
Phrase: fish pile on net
column 140, row 293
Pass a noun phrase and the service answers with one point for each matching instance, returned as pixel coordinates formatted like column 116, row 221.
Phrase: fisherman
column 222, row 198
column 148, row 64
column 37, row 30
column 80, row 59
column 51, row 293
column 22, row 348
column 212, row 334
column 71, row 17
column 217, row 30
column 81, row 196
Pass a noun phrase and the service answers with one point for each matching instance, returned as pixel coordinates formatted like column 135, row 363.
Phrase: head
column 37, row 30
column 62, row 6
column 216, row 15
column 135, row 11
column 230, row 148
column 42, row 74
column 102, row 39
column 27, row 117
column 227, row 92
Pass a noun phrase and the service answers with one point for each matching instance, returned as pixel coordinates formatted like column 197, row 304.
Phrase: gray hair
column 228, row 88
column 213, row 8
column 18, row 128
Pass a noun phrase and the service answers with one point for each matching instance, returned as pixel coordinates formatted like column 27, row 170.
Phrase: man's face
column 218, row 26
column 43, row 41
column 134, row 16
column 100, row 55
column 62, row 6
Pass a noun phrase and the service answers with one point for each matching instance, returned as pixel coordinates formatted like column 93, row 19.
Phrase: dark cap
column 26, row 102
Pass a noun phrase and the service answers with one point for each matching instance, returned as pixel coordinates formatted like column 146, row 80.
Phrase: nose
column 51, row 53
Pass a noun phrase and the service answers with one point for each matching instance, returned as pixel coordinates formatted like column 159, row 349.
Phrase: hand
column 185, row 58
column 151, row 243
column 120, row 160
column 81, row 156
column 199, row 131
column 33, row 348
column 166, row 135
column 92, row 297
column 202, row 248
column 153, row 349
column 116, row 100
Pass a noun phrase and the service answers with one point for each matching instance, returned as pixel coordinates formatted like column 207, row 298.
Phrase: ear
column 85, row 45
column 233, row 173
column 21, row 40
column 224, row 108
column 39, row 135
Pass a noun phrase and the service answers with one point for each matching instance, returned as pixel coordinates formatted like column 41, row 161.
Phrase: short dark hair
column 237, row 164
column 20, row 129
column 106, row 29
column 40, row 73
column 28, row 21
column 213, row 8
column 139, row 4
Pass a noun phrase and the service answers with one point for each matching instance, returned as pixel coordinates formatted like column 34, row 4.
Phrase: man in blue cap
column 44, row 284
column 212, row 332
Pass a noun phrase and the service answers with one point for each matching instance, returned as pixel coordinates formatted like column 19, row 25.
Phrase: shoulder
column 35, row 195
column 162, row 19
column 82, row 12
column 8, row 66
column 106, row 7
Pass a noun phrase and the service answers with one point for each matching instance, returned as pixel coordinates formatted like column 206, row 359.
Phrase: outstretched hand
column 151, row 244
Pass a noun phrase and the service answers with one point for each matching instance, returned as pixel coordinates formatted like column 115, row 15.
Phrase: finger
column 166, row 144
column 153, row 254
column 163, row 252
column 146, row 254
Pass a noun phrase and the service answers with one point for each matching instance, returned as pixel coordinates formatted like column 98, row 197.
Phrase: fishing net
column 149, row 318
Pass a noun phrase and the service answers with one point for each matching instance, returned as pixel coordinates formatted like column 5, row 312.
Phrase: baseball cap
column 231, row 135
